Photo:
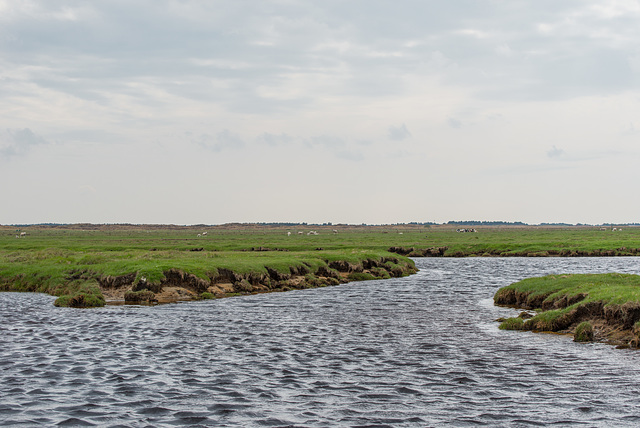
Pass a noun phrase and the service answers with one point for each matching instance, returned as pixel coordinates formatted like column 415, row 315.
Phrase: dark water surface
column 417, row 351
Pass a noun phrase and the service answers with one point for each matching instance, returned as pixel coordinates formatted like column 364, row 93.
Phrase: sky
column 342, row 111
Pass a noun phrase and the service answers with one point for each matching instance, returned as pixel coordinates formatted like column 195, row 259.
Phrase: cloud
column 280, row 80
column 350, row 155
column 555, row 153
column 19, row 142
column 339, row 147
column 327, row 141
column 454, row 123
column 399, row 133
column 275, row 140
column 223, row 140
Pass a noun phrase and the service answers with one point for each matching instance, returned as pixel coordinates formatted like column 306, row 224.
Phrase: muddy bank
column 444, row 251
column 570, row 312
column 178, row 285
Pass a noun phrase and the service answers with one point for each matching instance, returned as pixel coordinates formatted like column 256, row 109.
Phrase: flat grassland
column 86, row 265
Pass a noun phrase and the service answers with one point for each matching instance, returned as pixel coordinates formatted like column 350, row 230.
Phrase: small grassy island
column 603, row 307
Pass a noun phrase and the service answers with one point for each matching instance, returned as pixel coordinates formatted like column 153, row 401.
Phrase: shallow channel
column 411, row 352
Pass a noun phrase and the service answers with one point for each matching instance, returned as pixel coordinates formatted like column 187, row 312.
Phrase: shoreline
column 85, row 288
column 443, row 251
column 179, row 285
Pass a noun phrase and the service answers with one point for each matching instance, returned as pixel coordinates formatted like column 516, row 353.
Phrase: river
column 410, row 352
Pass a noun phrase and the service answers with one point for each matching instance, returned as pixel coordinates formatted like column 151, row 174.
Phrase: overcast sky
column 345, row 111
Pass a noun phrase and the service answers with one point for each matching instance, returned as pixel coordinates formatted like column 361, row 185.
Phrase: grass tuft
column 584, row 332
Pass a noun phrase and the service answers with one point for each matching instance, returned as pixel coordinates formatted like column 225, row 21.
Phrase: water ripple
column 410, row 352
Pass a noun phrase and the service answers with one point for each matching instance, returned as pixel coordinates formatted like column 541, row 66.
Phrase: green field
column 80, row 263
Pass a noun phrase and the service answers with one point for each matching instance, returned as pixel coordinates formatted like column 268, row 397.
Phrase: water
column 411, row 352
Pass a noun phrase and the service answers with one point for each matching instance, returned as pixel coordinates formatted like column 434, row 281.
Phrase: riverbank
column 89, row 288
column 179, row 285
column 93, row 268
column 591, row 307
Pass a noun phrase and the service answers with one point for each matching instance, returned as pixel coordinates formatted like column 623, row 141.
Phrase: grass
column 566, row 302
column 71, row 263
column 62, row 260
column 584, row 332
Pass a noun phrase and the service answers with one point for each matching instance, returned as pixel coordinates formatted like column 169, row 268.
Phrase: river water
column 410, row 352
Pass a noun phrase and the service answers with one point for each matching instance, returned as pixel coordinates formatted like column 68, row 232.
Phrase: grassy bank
column 592, row 307
column 87, row 268
column 88, row 264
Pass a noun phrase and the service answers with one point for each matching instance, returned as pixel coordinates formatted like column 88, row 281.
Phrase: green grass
column 563, row 301
column 52, row 259
column 584, row 332
column 69, row 263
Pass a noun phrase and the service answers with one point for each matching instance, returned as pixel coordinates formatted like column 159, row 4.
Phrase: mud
column 178, row 285
column 612, row 323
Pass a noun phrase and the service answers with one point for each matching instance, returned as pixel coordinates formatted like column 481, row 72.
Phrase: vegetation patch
column 361, row 276
column 512, row 324
column 575, row 304
column 142, row 296
column 584, row 332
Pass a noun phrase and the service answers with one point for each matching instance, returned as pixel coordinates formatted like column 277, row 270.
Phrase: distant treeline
column 487, row 223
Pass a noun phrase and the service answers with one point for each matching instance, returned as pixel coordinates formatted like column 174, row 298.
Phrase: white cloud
column 224, row 140
column 18, row 142
column 275, row 140
column 399, row 133
column 454, row 123
column 555, row 153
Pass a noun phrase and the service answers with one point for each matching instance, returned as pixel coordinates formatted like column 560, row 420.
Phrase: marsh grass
column 69, row 263
column 584, row 332
column 563, row 301
column 49, row 259
column 512, row 324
